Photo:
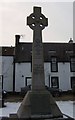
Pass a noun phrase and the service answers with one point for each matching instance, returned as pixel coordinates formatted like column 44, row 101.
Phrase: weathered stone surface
column 38, row 103
column 37, row 22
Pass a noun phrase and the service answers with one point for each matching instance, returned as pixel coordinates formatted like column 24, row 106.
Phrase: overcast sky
column 13, row 21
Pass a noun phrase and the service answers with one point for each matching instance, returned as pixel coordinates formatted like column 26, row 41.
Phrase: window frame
column 57, row 78
column 56, row 63
column 71, row 79
column 27, row 81
column 72, row 62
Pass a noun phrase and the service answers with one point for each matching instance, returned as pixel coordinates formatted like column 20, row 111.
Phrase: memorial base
column 38, row 104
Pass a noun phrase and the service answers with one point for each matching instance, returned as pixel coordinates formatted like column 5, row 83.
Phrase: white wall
column 22, row 70
column 0, row 65
column 64, row 74
column 7, row 72
column 0, row 77
column 47, row 72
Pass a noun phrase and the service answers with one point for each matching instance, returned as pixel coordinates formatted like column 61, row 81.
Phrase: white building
column 6, row 68
column 59, row 65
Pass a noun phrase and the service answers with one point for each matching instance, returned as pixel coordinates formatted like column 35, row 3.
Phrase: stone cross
column 38, row 103
column 37, row 22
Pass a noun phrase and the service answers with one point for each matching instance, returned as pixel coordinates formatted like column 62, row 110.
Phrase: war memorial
column 37, row 103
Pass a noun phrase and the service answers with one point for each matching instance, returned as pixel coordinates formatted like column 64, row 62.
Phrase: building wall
column 23, row 70
column 0, row 65
column 7, row 72
column 47, row 72
column 64, row 76
column 0, row 77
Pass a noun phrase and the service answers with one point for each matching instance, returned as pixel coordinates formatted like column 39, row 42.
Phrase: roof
column 7, row 51
column 23, row 51
column 63, row 51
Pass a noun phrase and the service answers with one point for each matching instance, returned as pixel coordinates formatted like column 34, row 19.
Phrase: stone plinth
column 38, row 104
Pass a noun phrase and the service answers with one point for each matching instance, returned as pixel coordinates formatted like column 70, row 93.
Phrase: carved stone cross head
column 37, row 19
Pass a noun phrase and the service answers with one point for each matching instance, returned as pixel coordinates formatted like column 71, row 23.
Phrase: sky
column 13, row 20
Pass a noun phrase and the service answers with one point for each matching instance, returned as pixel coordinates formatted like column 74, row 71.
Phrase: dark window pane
column 55, row 82
column 72, row 64
column 54, row 65
column 72, row 81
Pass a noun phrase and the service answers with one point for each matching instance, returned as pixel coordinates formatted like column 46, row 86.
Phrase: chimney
column 70, row 41
column 17, row 37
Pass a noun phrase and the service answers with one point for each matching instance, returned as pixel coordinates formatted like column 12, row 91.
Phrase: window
column 54, row 82
column 28, row 81
column 31, row 60
column 72, row 64
column 54, row 65
column 1, row 85
column 49, row 80
column 1, row 82
column 72, row 81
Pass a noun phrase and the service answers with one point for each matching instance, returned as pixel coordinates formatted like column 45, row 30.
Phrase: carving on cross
column 37, row 19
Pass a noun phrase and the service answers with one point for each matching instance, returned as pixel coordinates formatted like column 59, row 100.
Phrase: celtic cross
column 38, row 103
column 37, row 19
column 37, row 22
